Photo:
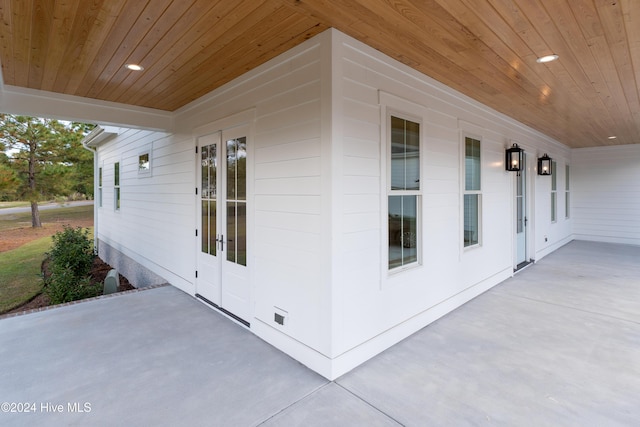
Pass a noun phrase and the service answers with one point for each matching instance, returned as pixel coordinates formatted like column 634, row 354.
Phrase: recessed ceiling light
column 134, row 67
column 547, row 58
column 612, row 137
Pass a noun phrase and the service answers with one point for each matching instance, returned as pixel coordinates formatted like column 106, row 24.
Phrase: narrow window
column 100, row 187
column 144, row 166
column 472, row 202
column 554, row 193
column 566, row 193
column 403, row 194
column 116, row 185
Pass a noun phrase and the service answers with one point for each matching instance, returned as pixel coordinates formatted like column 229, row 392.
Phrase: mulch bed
column 99, row 271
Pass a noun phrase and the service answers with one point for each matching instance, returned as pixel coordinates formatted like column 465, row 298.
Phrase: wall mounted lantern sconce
column 544, row 165
column 513, row 158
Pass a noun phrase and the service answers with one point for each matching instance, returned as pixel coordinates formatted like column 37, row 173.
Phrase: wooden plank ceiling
column 486, row 49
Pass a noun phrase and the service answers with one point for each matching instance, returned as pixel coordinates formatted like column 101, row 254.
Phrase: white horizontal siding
column 368, row 299
column 155, row 223
column 605, row 193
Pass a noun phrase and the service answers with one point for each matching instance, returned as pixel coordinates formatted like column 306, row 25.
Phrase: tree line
column 43, row 159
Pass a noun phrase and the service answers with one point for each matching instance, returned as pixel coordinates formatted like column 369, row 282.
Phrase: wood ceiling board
column 152, row 56
column 92, row 35
column 123, row 54
column 619, row 71
column 286, row 30
column 6, row 43
column 109, row 44
column 485, row 49
column 158, row 29
column 57, row 41
column 631, row 16
column 229, row 20
column 178, row 49
column 21, row 12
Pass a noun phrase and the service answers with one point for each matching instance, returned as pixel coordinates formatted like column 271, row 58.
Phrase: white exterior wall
column 154, row 225
column 606, row 194
column 373, row 308
column 289, row 153
column 317, row 172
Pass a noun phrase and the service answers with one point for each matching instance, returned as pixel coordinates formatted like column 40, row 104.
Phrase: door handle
column 525, row 221
column 220, row 239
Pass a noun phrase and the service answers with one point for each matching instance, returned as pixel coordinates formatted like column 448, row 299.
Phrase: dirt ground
column 11, row 239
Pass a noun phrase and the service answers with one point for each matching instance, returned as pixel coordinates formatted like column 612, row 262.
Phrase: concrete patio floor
column 556, row 345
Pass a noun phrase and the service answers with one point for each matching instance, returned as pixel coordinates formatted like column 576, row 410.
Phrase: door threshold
column 523, row 265
column 222, row 310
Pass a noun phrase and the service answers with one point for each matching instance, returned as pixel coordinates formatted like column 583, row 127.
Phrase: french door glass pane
column 403, row 230
column 208, row 194
column 241, row 170
column 237, row 232
column 236, row 200
column 232, row 160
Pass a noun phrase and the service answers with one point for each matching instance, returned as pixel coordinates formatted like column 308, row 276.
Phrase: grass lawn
column 20, row 278
column 22, row 250
column 67, row 215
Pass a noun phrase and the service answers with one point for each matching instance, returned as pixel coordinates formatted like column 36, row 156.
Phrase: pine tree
column 46, row 155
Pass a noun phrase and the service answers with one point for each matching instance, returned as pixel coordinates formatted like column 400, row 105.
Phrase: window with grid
column 116, row 185
column 472, row 197
column 403, row 194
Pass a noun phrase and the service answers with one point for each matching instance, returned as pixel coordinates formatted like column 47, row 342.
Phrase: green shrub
column 73, row 250
column 63, row 286
column 70, row 261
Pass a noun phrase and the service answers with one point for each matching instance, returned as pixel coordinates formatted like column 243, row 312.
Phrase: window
column 100, row 187
column 143, row 163
column 116, row 185
column 403, row 197
column 472, row 202
column 566, row 192
column 554, row 193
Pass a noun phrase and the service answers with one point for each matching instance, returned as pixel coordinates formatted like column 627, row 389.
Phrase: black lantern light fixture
column 513, row 158
column 544, row 165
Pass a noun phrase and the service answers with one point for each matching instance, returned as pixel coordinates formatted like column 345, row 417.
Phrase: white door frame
column 223, row 284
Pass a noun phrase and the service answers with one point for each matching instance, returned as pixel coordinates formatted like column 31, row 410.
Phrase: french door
column 522, row 222
column 222, row 278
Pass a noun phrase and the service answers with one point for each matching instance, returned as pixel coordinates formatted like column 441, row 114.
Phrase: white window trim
column 392, row 105
column 464, row 134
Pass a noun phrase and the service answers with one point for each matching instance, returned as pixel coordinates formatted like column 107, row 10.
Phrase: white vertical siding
column 605, row 194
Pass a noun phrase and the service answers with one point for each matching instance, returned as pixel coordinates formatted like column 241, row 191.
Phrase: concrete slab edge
column 99, row 297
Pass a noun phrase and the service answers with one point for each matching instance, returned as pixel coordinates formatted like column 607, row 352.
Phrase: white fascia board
column 99, row 135
column 31, row 102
